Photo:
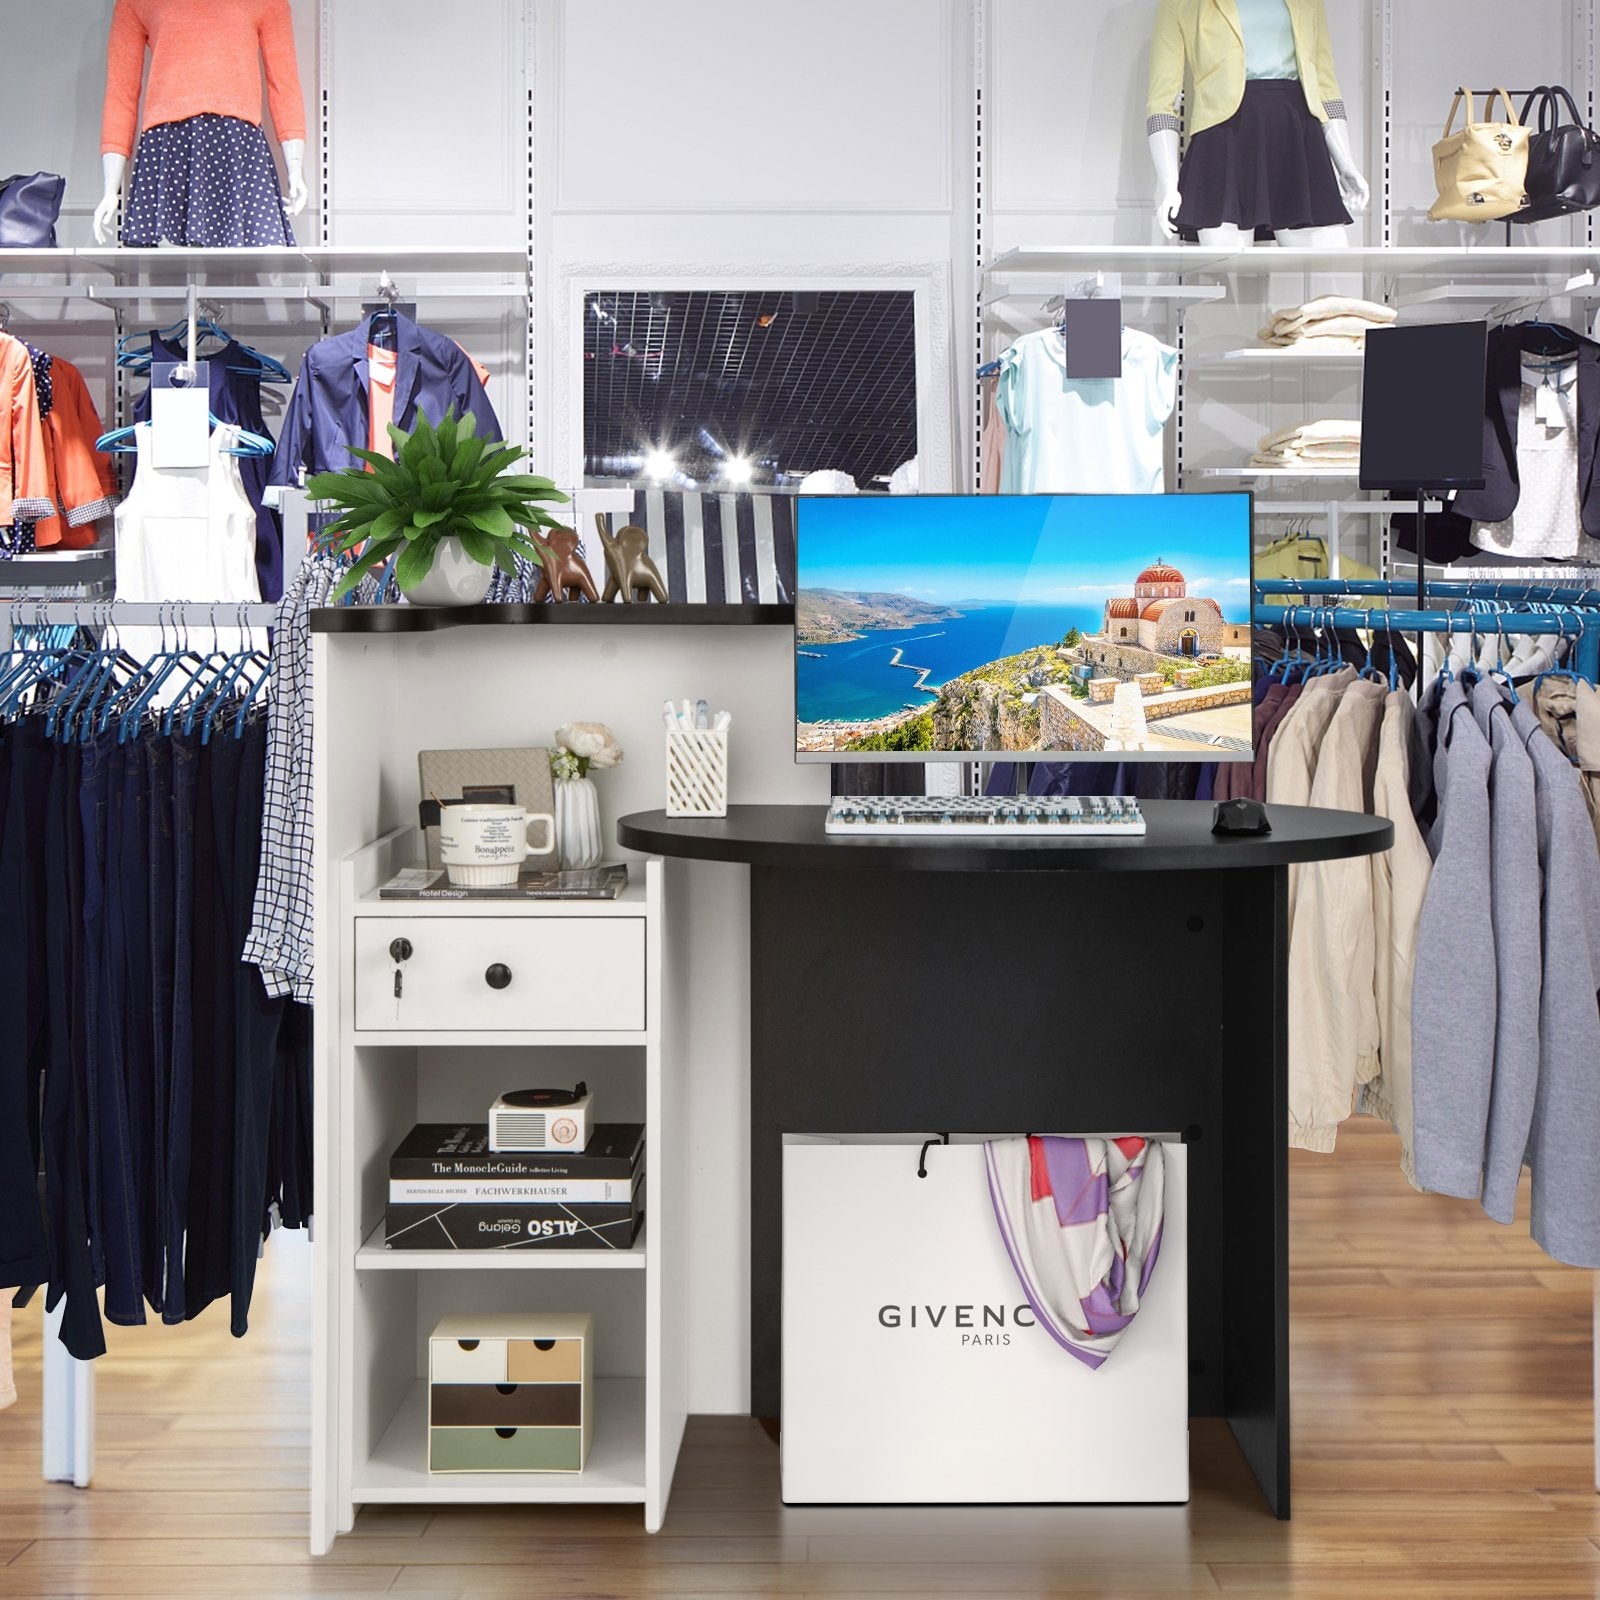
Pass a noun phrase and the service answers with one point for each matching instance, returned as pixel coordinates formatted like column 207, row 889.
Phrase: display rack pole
column 68, row 1403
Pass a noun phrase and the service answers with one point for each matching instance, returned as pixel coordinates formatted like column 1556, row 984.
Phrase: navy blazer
column 329, row 410
column 1450, row 532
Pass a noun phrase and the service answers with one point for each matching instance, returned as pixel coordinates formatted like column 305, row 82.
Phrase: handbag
column 1563, row 160
column 1481, row 170
column 29, row 207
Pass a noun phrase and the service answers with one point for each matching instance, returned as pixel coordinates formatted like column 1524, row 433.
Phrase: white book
column 497, row 1191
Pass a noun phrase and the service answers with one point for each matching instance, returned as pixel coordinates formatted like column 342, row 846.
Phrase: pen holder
column 697, row 773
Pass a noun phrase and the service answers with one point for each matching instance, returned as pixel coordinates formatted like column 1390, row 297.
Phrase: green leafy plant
column 444, row 483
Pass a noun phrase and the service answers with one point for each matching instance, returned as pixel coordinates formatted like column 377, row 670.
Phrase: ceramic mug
column 484, row 846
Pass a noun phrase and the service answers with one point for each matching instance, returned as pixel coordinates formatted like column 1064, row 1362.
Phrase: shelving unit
column 377, row 1306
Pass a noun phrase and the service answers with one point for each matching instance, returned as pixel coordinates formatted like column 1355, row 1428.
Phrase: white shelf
column 373, row 1256
column 304, row 265
column 396, row 1473
column 1480, row 262
column 1322, row 474
column 1278, row 356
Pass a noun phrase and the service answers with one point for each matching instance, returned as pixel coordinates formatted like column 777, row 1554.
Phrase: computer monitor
column 1039, row 627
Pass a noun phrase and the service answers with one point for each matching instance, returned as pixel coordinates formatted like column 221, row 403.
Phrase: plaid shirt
column 281, row 942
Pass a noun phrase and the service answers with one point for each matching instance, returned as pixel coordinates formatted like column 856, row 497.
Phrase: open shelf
column 1264, row 355
column 428, row 619
column 374, row 1257
column 396, row 1473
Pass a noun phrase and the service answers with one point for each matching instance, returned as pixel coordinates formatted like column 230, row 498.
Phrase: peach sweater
column 205, row 55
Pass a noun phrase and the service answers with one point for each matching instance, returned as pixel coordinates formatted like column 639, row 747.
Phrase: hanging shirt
column 1268, row 40
column 1085, row 435
column 380, row 399
column 1548, row 520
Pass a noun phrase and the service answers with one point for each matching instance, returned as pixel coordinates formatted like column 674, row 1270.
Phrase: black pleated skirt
column 1266, row 168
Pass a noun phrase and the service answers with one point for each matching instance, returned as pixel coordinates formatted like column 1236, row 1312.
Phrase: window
column 748, row 388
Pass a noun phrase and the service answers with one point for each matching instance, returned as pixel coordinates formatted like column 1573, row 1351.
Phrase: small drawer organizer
column 510, row 1393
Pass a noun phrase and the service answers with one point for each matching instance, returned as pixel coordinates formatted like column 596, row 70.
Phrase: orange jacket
column 25, row 489
column 82, row 480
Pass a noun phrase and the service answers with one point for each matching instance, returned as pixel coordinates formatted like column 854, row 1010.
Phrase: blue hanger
column 134, row 356
column 124, row 441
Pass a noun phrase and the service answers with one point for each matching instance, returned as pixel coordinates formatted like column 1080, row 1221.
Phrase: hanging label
column 180, row 419
column 1549, row 407
column 1093, row 333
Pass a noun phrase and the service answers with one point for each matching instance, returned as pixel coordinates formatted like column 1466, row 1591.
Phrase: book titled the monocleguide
column 585, row 883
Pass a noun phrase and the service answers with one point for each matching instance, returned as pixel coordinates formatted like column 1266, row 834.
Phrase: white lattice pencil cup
column 697, row 773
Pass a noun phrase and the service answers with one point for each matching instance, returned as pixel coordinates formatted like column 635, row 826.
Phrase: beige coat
column 1333, row 1011
column 1399, row 886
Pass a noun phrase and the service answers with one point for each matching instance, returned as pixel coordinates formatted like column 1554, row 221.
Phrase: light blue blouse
column 1268, row 39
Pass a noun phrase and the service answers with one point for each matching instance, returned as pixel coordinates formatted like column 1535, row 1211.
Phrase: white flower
column 592, row 743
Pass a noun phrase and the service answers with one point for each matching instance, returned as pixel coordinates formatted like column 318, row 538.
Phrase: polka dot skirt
column 207, row 181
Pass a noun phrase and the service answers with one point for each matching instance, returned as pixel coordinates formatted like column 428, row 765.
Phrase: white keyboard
column 966, row 816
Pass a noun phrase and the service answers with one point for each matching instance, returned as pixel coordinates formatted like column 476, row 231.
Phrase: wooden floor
column 1442, row 1433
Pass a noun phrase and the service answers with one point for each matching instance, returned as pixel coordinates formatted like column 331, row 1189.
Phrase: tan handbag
column 1481, row 170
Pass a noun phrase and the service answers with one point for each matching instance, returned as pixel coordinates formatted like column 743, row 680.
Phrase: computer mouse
column 1240, row 816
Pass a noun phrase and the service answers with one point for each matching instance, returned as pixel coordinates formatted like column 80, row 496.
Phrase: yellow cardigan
column 1206, row 35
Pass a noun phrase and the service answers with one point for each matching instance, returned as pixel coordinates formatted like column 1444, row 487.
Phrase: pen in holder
column 697, row 772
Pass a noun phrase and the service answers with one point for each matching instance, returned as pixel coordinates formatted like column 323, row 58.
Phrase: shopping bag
column 913, row 1367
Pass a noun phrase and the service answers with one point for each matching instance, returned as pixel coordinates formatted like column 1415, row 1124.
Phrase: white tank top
column 187, row 533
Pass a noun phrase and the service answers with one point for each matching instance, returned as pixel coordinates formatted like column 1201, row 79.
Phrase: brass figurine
column 629, row 568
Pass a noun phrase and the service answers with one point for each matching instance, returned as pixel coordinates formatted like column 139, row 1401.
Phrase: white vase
column 578, row 822
column 454, row 579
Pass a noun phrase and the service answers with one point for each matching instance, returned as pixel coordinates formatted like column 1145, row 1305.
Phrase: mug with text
column 484, row 846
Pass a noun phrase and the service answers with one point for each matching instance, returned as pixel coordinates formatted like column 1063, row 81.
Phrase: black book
column 461, row 1150
column 511, row 1227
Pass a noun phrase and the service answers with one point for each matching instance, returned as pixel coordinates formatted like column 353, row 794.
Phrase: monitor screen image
column 1048, row 627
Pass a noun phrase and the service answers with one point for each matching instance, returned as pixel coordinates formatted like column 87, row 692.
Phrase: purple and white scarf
column 1081, row 1221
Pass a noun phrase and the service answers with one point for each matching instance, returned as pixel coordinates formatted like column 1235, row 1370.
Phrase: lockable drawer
column 500, row 974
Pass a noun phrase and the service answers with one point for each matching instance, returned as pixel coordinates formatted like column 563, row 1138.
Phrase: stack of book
column 449, row 1191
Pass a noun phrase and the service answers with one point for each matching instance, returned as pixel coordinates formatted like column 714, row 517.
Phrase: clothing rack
column 1586, row 635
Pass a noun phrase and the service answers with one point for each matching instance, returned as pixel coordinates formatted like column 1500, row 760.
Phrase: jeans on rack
column 207, row 1254
column 100, row 808
column 132, row 955
column 180, row 1083
column 160, row 854
column 74, row 1268
column 23, row 774
column 258, row 1017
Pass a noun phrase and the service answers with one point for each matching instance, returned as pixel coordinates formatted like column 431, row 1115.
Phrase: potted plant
column 444, row 509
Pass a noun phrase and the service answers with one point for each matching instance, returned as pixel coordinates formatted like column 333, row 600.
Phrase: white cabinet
column 517, row 973
column 493, row 995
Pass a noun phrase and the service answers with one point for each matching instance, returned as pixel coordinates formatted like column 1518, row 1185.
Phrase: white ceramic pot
column 455, row 579
column 578, row 822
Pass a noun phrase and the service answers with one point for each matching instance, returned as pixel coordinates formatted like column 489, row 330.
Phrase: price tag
column 180, row 419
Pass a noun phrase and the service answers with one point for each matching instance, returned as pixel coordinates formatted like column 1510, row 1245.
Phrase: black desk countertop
column 1179, row 840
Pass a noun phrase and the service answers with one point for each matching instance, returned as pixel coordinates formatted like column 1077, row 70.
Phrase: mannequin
column 203, row 173
column 1270, row 146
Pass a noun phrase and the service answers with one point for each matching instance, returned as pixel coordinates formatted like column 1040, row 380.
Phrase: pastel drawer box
column 522, row 974
column 506, row 1405
column 466, row 1360
column 505, row 1450
column 544, row 1360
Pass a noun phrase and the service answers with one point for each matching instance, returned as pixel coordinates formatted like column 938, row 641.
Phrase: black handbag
column 1563, row 160
column 29, row 207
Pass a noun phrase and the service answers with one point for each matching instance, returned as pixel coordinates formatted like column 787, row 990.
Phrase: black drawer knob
column 498, row 976
column 399, row 950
